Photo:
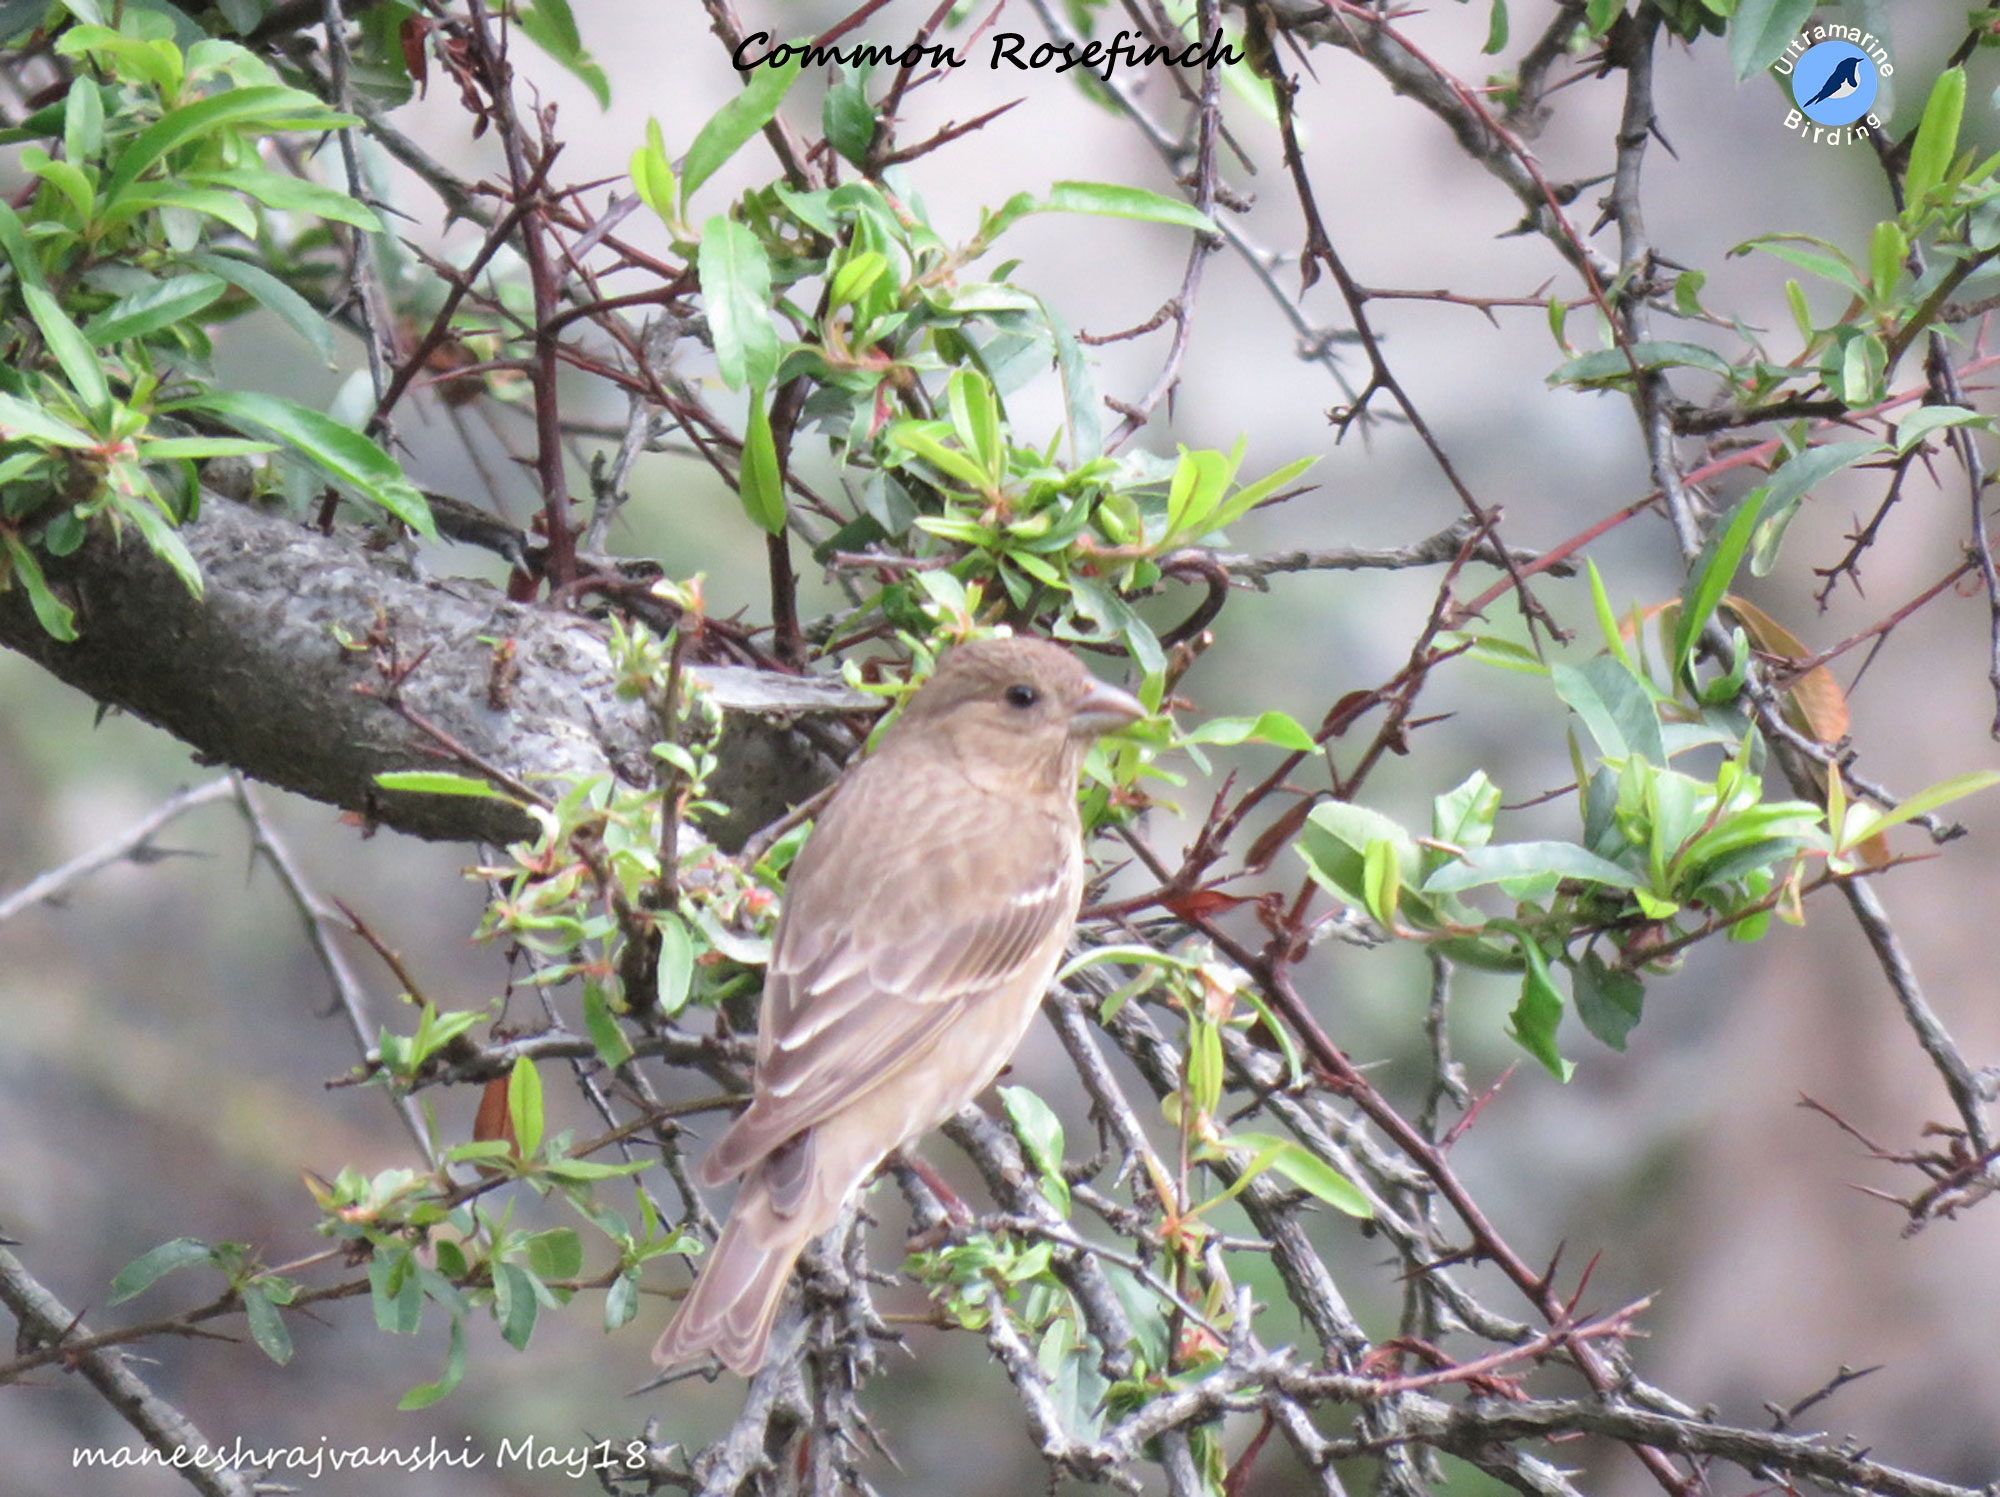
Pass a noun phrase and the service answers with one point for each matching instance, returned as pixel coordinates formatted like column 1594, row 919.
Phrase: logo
column 1834, row 73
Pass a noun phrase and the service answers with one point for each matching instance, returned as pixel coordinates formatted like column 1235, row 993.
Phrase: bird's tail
column 735, row 1300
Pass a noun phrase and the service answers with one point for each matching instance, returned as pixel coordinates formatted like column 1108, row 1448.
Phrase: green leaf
column 290, row 308
column 1937, row 139
column 653, row 175
column 1382, row 882
column 734, row 123
column 71, row 350
column 157, row 306
column 1607, row 1000
column 1614, row 364
column 344, row 454
column 848, row 119
column 602, row 1025
column 758, row 482
column 1505, row 861
column 395, row 1290
column 1921, row 422
column 164, row 541
column 1496, row 28
column 1886, row 249
column 426, row 1394
column 621, row 1301
column 215, row 203
column 269, row 108
column 1924, row 801
column 21, row 420
column 289, row 194
column 83, row 121
column 1267, row 727
column 736, row 291
column 1114, row 200
column 1464, row 815
column 1761, row 31
column 1615, row 706
column 1714, row 571
column 1538, row 1012
column 14, row 244
column 55, row 616
column 440, row 782
column 676, row 965
column 66, row 178
column 1041, row 1135
column 524, row 1106
column 267, row 1326
column 1788, row 486
column 1304, row 1169
column 550, row 26
column 156, row 1263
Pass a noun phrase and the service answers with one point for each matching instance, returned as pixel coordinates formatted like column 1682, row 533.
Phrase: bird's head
column 1020, row 703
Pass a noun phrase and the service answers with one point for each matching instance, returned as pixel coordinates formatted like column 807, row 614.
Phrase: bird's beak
column 1104, row 709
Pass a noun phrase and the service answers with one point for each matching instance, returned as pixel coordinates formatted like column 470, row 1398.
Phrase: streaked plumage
column 923, row 919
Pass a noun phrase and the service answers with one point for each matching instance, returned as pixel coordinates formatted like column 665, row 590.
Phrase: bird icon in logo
column 1842, row 81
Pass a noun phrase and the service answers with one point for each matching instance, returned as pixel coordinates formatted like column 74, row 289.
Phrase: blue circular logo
column 1834, row 83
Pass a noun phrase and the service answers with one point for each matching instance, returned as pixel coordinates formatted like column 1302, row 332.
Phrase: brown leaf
column 1814, row 704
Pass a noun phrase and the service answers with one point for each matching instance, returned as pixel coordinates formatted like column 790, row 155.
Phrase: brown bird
column 923, row 920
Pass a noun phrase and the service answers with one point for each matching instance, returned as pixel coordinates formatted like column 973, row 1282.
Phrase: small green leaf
column 1886, row 250
column 1610, row 365
column 83, row 121
column 22, row 421
column 1614, row 705
column 1267, row 727
column 653, row 175
column 550, row 26
column 426, row 1394
column 71, row 350
column 155, row 307
column 289, row 194
column 848, row 119
column 1761, row 31
column 1505, row 861
column 1925, row 801
column 440, row 782
column 602, row 1025
column 270, row 108
column 55, row 616
column 1607, row 1000
column 1496, row 28
column 1937, row 139
column 1304, row 1169
column 1714, row 570
column 155, row 1263
column 1114, row 200
column 734, row 123
column 524, row 1106
column 1538, row 1012
column 344, row 454
column 758, row 482
column 267, row 1326
column 676, row 964
column 1794, row 479
column 1921, row 422
column 14, row 244
column 736, row 290
column 290, row 308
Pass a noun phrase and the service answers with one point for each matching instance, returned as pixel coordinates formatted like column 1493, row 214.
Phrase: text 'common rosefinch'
column 923, row 920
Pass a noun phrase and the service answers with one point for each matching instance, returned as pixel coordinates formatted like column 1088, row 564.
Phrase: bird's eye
column 1023, row 697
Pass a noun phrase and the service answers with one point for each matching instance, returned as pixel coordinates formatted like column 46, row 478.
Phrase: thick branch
column 293, row 663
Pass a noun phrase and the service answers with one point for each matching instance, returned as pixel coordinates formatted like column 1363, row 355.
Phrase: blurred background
column 169, row 1037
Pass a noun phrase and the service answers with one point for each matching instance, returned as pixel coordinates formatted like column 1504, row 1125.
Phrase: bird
column 922, row 921
column 1842, row 81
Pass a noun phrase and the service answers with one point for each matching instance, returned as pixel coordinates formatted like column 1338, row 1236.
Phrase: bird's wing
column 903, row 911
